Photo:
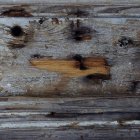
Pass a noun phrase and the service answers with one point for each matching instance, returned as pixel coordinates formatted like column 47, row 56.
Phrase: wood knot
column 125, row 41
column 41, row 20
column 16, row 31
column 80, row 33
column 21, row 36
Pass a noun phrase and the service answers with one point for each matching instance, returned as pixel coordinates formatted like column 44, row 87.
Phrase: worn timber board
column 69, row 69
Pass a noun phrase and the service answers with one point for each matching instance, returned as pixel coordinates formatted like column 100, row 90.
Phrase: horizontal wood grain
column 97, row 134
column 69, row 118
column 115, row 39
column 71, row 1
column 71, row 10
column 69, row 69
column 72, row 68
column 70, row 105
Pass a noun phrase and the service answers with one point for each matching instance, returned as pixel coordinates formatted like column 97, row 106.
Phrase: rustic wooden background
column 69, row 69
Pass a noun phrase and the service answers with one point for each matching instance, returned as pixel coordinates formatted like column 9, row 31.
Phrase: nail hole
column 16, row 31
column 41, row 20
column 55, row 20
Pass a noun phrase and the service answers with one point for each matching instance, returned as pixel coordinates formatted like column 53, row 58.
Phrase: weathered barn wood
column 69, row 69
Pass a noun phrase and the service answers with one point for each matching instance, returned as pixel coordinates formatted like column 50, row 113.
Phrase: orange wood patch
column 71, row 68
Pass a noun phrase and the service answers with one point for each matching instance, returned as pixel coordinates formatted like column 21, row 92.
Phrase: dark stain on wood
column 16, row 11
column 36, row 56
column 15, row 46
column 134, row 85
column 109, row 104
column 125, row 41
column 62, row 115
column 16, row 31
column 79, row 32
column 41, row 20
column 80, row 59
column 21, row 36
column 98, row 76
column 44, row 92
column 52, row 114
column 48, row 90
column 55, row 21
column 78, row 13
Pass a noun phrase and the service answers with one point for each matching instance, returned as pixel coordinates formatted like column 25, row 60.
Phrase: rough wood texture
column 117, row 40
column 69, row 69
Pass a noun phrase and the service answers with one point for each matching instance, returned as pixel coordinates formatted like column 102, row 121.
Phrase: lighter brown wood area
column 71, row 68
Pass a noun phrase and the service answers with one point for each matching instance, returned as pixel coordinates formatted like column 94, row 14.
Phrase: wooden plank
column 69, row 118
column 70, row 10
column 90, row 134
column 73, row 67
column 113, row 39
column 71, row 1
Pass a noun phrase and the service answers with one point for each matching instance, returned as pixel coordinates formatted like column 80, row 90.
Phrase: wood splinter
column 71, row 67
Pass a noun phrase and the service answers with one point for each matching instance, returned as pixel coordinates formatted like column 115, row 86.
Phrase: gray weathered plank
column 70, row 10
column 53, row 40
column 71, row 105
column 69, row 118
column 75, row 108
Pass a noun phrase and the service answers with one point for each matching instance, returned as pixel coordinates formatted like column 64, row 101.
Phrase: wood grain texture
column 69, row 118
column 63, row 41
column 72, row 68
column 63, row 96
column 63, row 10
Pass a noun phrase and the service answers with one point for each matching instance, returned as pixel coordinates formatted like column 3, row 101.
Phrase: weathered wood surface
column 69, row 118
column 90, row 82
column 56, row 41
column 70, row 10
